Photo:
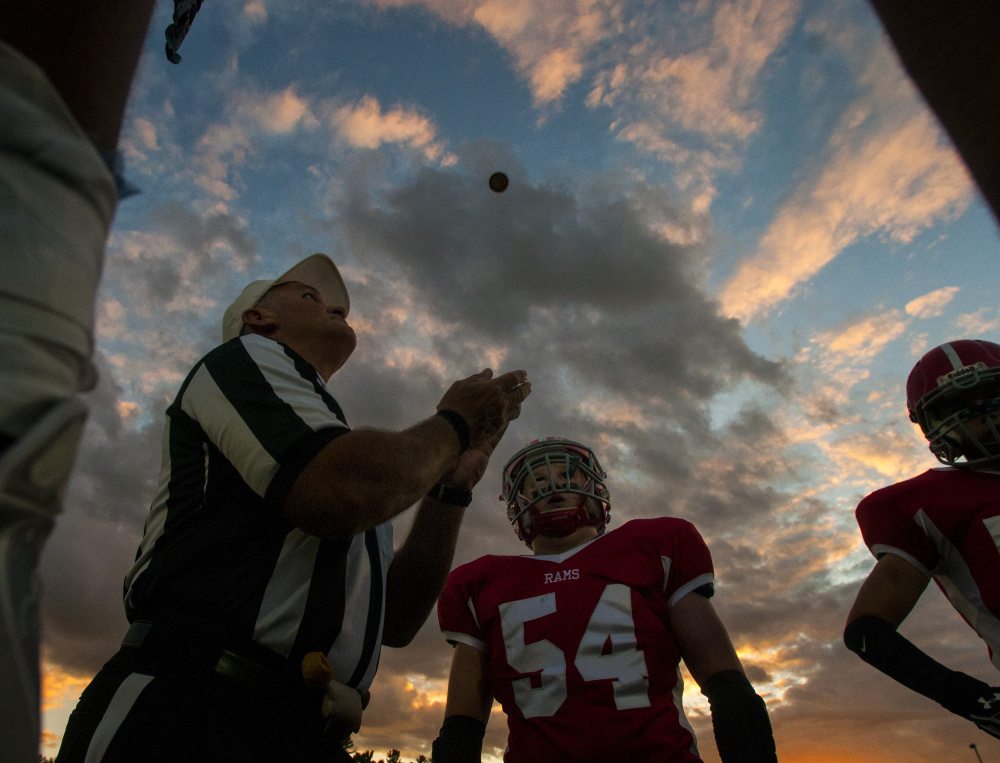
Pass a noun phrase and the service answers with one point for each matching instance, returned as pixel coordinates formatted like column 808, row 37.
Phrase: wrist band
column 459, row 425
column 456, row 496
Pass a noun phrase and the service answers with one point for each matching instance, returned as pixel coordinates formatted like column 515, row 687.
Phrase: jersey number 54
column 624, row 664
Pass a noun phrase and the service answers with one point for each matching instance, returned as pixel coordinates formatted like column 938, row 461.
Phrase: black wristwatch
column 456, row 496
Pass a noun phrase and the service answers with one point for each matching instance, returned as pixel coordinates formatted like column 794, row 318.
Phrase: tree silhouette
column 393, row 756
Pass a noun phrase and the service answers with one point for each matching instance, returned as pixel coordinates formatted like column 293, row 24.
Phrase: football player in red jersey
column 943, row 524
column 580, row 641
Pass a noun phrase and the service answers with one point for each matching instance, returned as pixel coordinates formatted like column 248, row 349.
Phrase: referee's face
column 317, row 331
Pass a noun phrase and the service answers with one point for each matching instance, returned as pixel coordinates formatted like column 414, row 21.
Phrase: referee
column 269, row 539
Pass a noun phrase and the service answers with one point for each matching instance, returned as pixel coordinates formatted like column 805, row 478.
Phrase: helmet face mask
column 953, row 393
column 552, row 467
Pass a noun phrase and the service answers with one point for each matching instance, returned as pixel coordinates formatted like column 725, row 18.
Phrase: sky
column 732, row 227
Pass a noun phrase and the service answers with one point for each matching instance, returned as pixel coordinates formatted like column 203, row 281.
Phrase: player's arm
column 885, row 599
column 366, row 477
column 739, row 717
column 467, row 710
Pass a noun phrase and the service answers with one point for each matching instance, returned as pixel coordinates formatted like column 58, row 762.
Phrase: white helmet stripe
column 956, row 362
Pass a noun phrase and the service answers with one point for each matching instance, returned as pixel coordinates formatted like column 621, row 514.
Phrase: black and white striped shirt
column 250, row 415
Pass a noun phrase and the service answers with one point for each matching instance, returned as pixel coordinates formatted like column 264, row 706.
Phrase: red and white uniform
column 581, row 654
column 946, row 522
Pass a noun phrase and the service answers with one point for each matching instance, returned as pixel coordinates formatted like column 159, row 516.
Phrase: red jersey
column 946, row 522
column 581, row 655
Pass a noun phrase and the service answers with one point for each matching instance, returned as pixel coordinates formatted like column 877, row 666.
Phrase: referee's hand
column 487, row 404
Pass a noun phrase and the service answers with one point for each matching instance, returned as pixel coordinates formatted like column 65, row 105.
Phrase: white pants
column 57, row 200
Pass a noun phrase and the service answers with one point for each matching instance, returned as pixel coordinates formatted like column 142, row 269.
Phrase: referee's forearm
column 420, row 569
column 366, row 477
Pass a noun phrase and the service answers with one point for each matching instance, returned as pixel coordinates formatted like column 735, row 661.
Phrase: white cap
column 316, row 270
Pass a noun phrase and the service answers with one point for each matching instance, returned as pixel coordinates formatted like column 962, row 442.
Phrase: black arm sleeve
column 877, row 643
column 739, row 718
column 460, row 740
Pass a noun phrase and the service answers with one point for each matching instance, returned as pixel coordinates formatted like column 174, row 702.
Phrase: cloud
column 57, row 685
column 861, row 340
column 536, row 256
column 256, row 10
column 664, row 71
column 983, row 322
column 886, row 172
column 365, row 125
column 892, row 455
column 549, row 41
column 281, row 112
column 933, row 304
column 895, row 184
column 147, row 133
column 178, row 267
column 709, row 90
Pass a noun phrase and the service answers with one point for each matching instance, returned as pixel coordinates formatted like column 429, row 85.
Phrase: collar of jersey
column 565, row 554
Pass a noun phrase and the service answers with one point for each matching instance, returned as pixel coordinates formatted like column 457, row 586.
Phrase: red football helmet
column 952, row 393
column 546, row 467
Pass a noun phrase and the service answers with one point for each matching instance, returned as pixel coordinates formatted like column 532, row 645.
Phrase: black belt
column 235, row 665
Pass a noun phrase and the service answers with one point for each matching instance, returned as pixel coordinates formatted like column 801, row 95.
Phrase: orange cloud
column 933, row 304
column 709, row 89
column 147, row 133
column 281, row 112
column 984, row 321
column 861, row 340
column 50, row 740
column 701, row 76
column 553, row 72
column 366, row 125
column 550, row 40
column 60, row 687
column 899, row 182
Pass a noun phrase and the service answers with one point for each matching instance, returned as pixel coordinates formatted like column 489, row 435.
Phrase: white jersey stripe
column 346, row 649
column 961, row 589
column 301, row 398
column 155, row 521
column 121, row 704
column 681, row 717
column 463, row 638
column 878, row 549
column 690, row 586
column 387, row 553
column 208, row 405
column 287, row 591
